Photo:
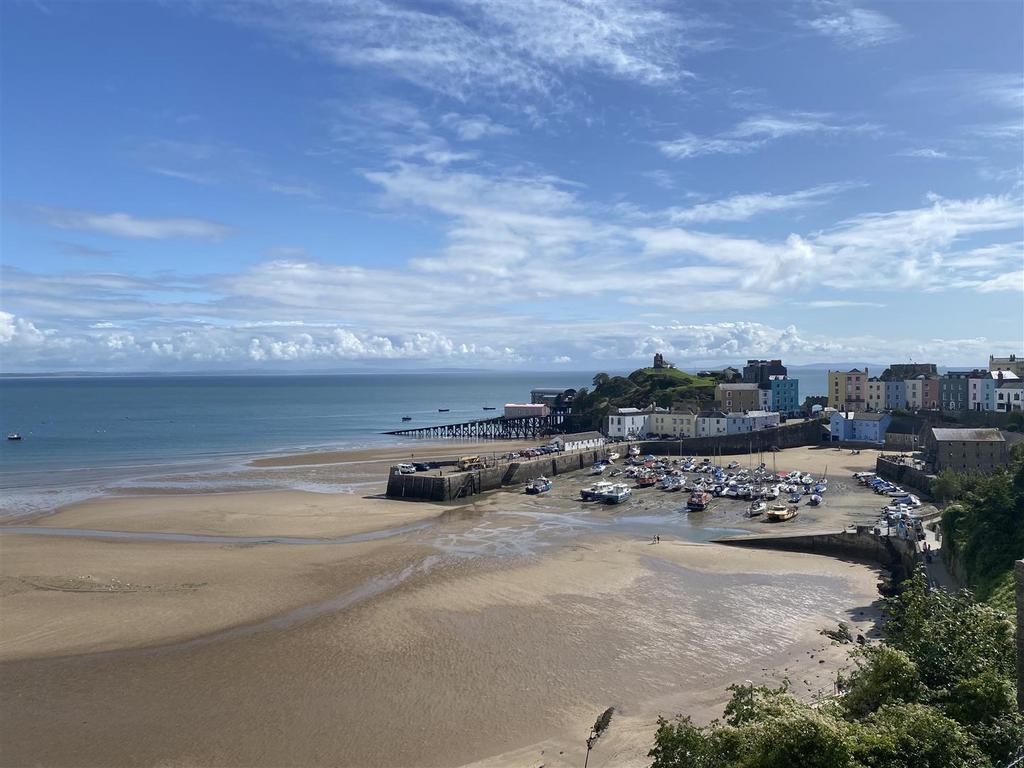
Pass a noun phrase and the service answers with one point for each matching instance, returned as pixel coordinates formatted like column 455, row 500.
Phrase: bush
column 937, row 694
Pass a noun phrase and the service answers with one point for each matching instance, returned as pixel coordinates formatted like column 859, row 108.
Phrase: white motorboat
column 617, row 494
column 780, row 513
column 538, row 485
column 596, row 491
column 757, row 508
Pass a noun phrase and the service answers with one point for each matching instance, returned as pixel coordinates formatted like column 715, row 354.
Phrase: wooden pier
column 499, row 428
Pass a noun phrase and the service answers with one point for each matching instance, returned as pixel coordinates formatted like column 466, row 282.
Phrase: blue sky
column 513, row 183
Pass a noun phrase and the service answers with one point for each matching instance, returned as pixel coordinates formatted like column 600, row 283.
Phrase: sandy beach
column 347, row 629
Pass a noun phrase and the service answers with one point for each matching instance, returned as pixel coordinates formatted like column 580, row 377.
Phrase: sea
column 93, row 435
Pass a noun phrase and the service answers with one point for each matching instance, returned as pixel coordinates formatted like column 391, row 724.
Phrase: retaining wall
column 459, row 485
column 897, row 555
column 904, row 474
column 784, row 436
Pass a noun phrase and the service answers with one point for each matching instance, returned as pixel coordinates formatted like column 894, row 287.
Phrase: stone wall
column 784, row 436
column 460, row 485
column 904, row 474
column 897, row 555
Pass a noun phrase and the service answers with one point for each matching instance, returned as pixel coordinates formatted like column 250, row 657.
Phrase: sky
column 532, row 184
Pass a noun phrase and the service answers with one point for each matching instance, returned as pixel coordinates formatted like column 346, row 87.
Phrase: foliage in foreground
column 984, row 529
column 938, row 693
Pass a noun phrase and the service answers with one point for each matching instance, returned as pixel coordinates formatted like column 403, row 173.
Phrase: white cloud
column 924, row 152
column 474, row 127
column 746, row 206
column 854, row 27
column 999, row 90
column 463, row 46
column 758, row 131
column 127, row 225
column 837, row 303
column 561, row 359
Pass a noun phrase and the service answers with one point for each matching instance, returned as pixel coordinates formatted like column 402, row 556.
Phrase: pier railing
column 498, row 428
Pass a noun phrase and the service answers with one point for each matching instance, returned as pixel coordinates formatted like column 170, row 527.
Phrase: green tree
column 914, row 736
column 946, row 486
column 949, row 636
column 883, row 675
column 600, row 379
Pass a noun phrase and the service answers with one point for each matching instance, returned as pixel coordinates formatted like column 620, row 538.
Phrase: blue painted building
column 895, row 394
column 859, row 427
column 785, row 394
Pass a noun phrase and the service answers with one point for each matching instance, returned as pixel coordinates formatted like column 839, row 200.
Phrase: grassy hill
column 664, row 387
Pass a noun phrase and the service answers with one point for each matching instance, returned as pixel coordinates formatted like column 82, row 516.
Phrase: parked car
column 423, row 466
column 406, row 469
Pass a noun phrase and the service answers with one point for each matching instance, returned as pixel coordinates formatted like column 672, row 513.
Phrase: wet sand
column 499, row 630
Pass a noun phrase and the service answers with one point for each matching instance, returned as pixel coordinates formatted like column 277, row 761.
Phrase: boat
column 538, row 485
column 672, row 483
column 780, row 513
column 617, row 494
column 757, row 508
column 815, row 499
column 699, row 501
column 596, row 491
column 613, row 456
column 646, row 481
column 597, row 468
column 443, row 410
column 794, row 498
column 407, row 418
column 489, row 408
column 14, row 436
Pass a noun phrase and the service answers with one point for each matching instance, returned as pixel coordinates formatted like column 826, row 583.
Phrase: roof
column 725, row 385
column 984, row 435
column 578, row 436
column 1011, row 384
column 863, row 416
column 713, row 415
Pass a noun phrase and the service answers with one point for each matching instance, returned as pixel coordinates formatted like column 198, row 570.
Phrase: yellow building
column 675, row 424
column 738, row 397
column 847, row 390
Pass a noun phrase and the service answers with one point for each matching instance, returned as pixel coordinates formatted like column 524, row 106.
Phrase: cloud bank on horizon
column 533, row 184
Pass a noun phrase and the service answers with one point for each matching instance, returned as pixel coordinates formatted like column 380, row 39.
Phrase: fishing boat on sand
column 780, row 513
column 596, row 491
column 698, row 501
column 617, row 494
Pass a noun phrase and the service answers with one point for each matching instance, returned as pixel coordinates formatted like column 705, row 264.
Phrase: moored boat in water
column 538, row 485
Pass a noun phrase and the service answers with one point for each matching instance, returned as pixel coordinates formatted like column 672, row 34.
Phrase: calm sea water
column 87, row 436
